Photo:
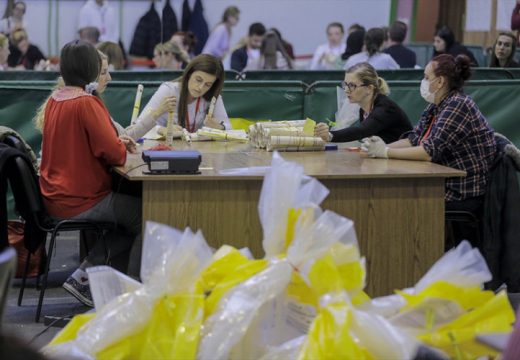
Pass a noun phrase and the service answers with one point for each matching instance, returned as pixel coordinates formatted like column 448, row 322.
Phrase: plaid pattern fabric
column 460, row 138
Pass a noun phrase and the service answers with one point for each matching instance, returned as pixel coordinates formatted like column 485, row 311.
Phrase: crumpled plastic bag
column 131, row 325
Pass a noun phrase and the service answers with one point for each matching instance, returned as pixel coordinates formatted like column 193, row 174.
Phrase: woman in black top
column 444, row 43
column 378, row 114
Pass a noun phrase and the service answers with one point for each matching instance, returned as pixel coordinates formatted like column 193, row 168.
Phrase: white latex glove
column 322, row 130
column 375, row 147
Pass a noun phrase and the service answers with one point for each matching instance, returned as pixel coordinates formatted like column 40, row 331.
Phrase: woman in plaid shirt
column 452, row 132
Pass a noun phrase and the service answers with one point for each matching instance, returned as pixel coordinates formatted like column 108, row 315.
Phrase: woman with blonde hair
column 168, row 56
column 219, row 39
column 378, row 115
column 189, row 97
column 4, row 51
column 116, row 59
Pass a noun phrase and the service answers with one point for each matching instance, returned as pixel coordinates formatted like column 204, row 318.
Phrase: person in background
column 76, row 183
column 13, row 17
column 378, row 115
column 4, row 51
column 168, row 56
column 247, row 57
column 219, row 40
column 273, row 54
column 515, row 19
column 189, row 97
column 444, row 43
column 186, row 41
column 24, row 55
column 451, row 132
column 328, row 56
column 287, row 46
column 373, row 42
column 99, row 14
column 355, row 42
column 89, row 34
column 504, row 51
column 355, row 27
column 116, row 59
column 405, row 57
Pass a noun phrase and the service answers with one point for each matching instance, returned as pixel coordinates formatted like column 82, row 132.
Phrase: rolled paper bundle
column 291, row 143
column 169, row 129
column 176, row 134
column 217, row 134
column 212, row 107
column 137, row 103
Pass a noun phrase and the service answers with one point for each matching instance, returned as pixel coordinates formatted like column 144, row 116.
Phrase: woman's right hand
column 168, row 104
column 322, row 130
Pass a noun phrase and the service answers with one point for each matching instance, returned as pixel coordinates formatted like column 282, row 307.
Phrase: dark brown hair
column 494, row 60
column 80, row 63
column 456, row 70
column 205, row 63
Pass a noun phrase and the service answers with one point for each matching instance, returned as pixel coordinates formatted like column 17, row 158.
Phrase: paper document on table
column 159, row 132
column 290, row 143
column 106, row 283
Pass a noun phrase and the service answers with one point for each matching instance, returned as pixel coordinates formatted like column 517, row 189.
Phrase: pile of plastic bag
column 304, row 300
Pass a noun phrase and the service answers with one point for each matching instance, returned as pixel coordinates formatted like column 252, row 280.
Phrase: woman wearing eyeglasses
column 189, row 97
column 378, row 114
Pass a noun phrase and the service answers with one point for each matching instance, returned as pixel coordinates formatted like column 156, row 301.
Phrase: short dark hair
column 257, row 29
column 455, row 69
column 80, row 63
column 356, row 27
column 336, row 24
column 398, row 31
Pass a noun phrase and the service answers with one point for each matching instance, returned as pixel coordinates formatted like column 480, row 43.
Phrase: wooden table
column 397, row 206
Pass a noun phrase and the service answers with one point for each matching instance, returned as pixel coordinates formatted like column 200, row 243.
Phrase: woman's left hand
column 213, row 123
column 130, row 144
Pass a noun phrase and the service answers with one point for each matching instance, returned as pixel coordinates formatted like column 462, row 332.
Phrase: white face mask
column 425, row 91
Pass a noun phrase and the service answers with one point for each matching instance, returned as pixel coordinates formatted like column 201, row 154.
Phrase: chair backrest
column 7, row 271
column 13, row 141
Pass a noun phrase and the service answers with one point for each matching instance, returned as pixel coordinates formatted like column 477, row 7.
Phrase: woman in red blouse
column 79, row 147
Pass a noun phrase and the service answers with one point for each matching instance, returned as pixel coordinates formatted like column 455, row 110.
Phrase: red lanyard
column 192, row 128
column 427, row 133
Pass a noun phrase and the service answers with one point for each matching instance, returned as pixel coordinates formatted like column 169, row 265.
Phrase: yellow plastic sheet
column 70, row 331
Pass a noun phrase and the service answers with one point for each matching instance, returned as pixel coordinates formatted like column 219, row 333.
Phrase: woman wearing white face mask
column 452, row 132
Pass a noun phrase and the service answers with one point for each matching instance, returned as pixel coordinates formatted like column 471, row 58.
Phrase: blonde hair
column 113, row 53
column 4, row 41
column 368, row 76
column 176, row 51
column 39, row 118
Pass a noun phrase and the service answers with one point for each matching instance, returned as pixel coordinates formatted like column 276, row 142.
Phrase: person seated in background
column 374, row 39
column 186, row 41
column 4, row 52
column 504, row 51
column 378, row 114
column 188, row 98
column 286, row 45
column 354, row 45
column 219, row 39
column 328, row 56
column 13, row 18
column 247, row 57
column 273, row 54
column 116, row 59
column 24, row 55
column 451, row 132
column 444, row 43
column 405, row 57
column 77, row 183
column 89, row 34
column 168, row 56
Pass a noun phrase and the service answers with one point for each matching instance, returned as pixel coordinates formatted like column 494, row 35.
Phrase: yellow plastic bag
column 70, row 331
column 457, row 339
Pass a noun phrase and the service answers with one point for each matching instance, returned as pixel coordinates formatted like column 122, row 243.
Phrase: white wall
column 301, row 22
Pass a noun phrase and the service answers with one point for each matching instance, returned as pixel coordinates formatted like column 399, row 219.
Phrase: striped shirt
column 461, row 138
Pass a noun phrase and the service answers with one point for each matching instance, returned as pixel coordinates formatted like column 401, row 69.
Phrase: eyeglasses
column 350, row 86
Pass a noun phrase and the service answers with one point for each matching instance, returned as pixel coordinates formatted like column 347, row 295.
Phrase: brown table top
column 336, row 164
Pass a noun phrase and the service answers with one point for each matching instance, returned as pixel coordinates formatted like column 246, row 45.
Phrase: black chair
column 7, row 271
column 27, row 191
column 459, row 216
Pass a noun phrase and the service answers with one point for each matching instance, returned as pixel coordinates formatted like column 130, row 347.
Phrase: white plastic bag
column 347, row 114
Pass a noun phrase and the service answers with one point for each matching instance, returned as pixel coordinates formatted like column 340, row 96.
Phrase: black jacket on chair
column 501, row 224
column 33, row 236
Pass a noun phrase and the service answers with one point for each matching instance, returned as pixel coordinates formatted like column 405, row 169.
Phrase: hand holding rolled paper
column 167, row 105
column 322, row 130
column 137, row 103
